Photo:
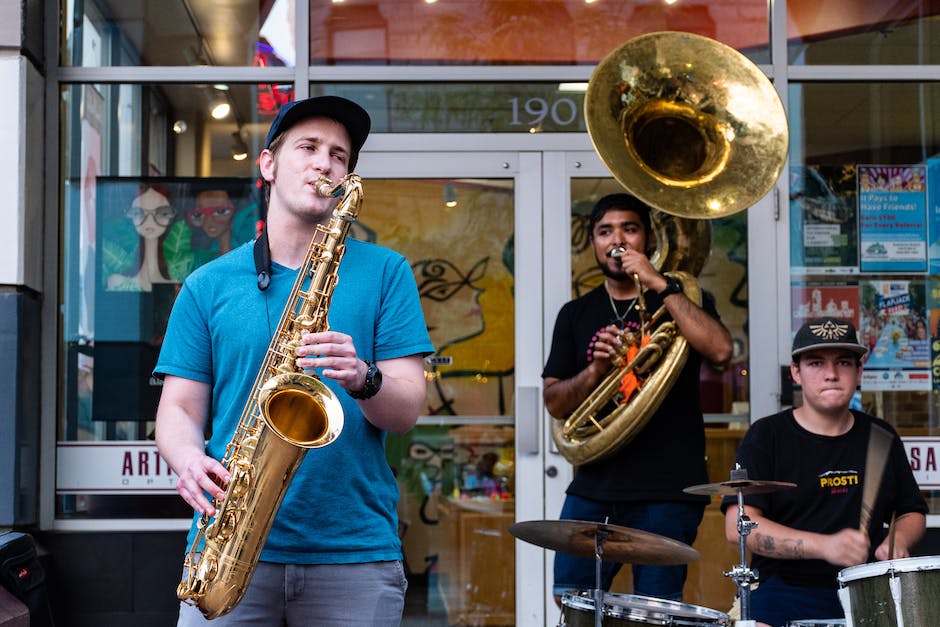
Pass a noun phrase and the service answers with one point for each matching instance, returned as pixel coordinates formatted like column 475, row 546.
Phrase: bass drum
column 630, row 610
column 892, row 593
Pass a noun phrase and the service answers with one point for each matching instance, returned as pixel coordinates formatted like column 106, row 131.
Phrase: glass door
column 573, row 182
column 472, row 466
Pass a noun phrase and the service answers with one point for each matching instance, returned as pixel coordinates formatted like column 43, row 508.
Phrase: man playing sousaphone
column 640, row 484
column 805, row 535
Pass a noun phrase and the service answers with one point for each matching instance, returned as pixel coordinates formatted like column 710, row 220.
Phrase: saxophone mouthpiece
column 327, row 189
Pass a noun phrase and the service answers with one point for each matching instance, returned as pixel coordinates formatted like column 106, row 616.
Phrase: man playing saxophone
column 639, row 485
column 332, row 555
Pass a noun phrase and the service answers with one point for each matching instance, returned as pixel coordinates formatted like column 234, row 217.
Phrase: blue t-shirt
column 341, row 504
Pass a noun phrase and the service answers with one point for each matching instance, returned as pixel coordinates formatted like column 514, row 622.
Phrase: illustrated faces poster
column 894, row 319
column 153, row 232
column 462, row 258
column 893, row 220
column 823, row 219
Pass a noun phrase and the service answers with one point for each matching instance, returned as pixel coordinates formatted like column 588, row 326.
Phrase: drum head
column 581, row 600
column 660, row 611
column 876, row 569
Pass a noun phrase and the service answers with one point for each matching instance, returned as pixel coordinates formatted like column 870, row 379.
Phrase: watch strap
column 673, row 286
column 372, row 383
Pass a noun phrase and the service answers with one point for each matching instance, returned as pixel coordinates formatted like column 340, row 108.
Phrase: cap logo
column 829, row 330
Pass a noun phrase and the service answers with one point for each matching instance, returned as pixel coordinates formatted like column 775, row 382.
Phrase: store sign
column 112, row 467
column 923, row 453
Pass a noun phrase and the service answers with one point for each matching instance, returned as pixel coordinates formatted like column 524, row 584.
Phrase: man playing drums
column 807, row 534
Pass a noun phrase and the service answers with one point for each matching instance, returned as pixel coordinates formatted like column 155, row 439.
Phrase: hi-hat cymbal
column 620, row 544
column 744, row 486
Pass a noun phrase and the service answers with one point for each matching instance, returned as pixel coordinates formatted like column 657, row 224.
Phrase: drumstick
column 879, row 444
column 891, row 537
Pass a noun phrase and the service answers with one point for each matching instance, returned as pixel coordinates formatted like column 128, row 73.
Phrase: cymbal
column 620, row 544
column 744, row 486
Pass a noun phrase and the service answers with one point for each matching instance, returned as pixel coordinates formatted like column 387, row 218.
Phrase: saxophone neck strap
column 262, row 253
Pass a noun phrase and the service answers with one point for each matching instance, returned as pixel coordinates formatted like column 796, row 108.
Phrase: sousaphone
column 694, row 129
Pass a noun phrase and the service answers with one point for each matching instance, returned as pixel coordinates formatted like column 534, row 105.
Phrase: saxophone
column 288, row 412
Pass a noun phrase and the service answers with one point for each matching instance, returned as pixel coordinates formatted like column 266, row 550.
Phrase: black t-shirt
column 668, row 454
column 829, row 472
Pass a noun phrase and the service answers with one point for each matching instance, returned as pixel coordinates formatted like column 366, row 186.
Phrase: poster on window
column 823, row 219
column 892, row 218
column 814, row 300
column 152, row 232
column 933, row 215
column 894, row 317
column 933, row 328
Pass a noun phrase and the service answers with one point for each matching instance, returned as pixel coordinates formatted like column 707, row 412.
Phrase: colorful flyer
column 823, row 219
column 892, row 218
column 894, row 326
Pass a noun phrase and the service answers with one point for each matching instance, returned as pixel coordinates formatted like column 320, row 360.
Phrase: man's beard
column 616, row 275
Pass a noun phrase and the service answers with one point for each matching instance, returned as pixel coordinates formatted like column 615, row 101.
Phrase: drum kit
column 891, row 593
column 603, row 541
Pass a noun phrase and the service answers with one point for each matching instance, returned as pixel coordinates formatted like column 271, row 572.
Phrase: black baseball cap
column 346, row 112
column 823, row 333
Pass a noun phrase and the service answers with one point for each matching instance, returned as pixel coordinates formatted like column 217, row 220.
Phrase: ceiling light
column 450, row 195
column 220, row 108
column 239, row 147
column 180, row 127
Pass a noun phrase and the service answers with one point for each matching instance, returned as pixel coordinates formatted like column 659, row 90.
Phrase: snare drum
column 825, row 622
column 892, row 593
column 626, row 610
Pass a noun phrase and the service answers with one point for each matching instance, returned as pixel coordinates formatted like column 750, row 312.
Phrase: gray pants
column 323, row 595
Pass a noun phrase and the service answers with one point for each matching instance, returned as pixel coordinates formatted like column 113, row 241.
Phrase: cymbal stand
column 599, row 537
column 743, row 576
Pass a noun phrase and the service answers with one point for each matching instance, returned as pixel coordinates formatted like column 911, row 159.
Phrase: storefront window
column 176, row 32
column 864, row 225
column 154, row 187
column 557, row 32
column 390, row 32
column 841, row 32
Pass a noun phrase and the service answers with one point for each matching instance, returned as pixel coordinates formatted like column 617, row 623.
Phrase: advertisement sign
column 816, row 300
column 131, row 467
column 922, row 453
column 892, row 218
column 823, row 219
column 894, row 325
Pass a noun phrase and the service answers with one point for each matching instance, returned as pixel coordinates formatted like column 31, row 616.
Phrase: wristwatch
column 672, row 287
column 372, row 384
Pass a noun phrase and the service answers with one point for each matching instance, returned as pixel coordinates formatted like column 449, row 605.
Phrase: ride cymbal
column 619, row 544
column 744, row 486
